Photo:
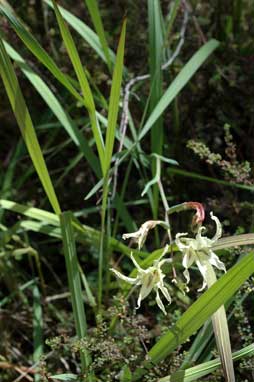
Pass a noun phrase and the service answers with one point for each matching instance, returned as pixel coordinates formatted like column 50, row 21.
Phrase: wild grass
column 142, row 138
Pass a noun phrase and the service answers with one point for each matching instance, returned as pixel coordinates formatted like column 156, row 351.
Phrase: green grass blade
column 31, row 212
column 201, row 310
column 155, row 28
column 33, row 45
column 74, row 282
column 93, row 8
column 110, row 139
column 194, row 175
column 67, row 377
column 89, row 294
column 196, row 372
column 84, row 31
column 6, row 187
column 179, row 82
column 48, row 223
column 114, row 99
column 53, row 103
column 84, row 84
column 37, row 50
column 37, row 329
column 26, row 126
column 171, row 18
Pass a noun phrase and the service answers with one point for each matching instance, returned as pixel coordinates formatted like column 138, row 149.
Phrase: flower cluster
column 195, row 250
column 149, row 279
column 199, row 250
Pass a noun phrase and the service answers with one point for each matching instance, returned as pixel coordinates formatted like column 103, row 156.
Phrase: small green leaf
column 125, row 374
column 64, row 377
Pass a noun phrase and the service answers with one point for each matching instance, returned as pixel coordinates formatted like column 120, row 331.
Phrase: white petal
column 147, row 286
column 218, row 232
column 135, row 235
column 188, row 258
column 159, row 302
column 199, row 234
column 187, row 275
column 139, row 301
column 181, row 245
column 214, row 260
column 165, row 292
column 165, row 250
column 203, row 286
column 136, row 264
column 129, row 280
column 202, row 268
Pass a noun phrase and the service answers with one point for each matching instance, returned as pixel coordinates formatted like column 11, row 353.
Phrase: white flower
column 141, row 235
column 149, row 279
column 199, row 250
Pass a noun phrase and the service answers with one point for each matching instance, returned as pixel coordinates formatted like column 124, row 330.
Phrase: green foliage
column 97, row 336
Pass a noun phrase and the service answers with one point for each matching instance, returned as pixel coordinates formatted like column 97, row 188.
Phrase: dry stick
column 132, row 82
column 31, row 369
column 195, row 21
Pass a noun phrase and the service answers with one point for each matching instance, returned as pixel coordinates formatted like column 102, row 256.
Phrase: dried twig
column 133, row 81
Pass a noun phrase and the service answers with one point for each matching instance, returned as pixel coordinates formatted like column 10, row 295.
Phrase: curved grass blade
column 110, row 139
column 84, row 31
column 194, row 175
column 26, row 126
column 48, row 223
column 114, row 99
column 53, row 103
column 93, row 8
column 33, row 45
column 179, row 82
column 200, row 311
column 84, row 84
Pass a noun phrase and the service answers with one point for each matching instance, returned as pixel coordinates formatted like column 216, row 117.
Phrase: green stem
column 102, row 237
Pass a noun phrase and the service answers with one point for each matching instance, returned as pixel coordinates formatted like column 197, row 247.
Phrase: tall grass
column 100, row 156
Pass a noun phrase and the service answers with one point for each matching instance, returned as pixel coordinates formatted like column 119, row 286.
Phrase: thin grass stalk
column 155, row 57
column 37, row 328
column 74, row 283
column 93, row 8
column 109, row 145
